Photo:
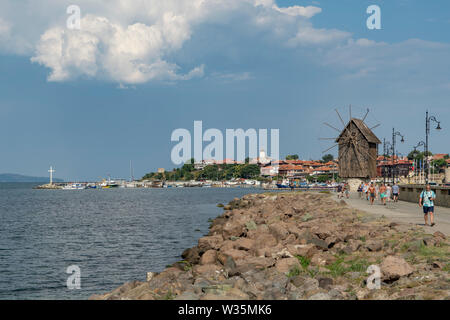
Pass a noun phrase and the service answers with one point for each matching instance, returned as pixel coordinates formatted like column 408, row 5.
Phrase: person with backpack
column 426, row 201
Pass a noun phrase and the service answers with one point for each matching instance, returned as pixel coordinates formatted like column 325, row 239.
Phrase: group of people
column 385, row 192
column 343, row 190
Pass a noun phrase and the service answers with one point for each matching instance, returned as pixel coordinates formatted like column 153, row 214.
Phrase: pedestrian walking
column 395, row 192
column 360, row 190
column 426, row 201
column 366, row 190
column 372, row 193
column 388, row 193
column 383, row 190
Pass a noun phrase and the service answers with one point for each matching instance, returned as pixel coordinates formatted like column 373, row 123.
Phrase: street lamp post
column 428, row 120
column 388, row 150
column 394, row 135
column 421, row 143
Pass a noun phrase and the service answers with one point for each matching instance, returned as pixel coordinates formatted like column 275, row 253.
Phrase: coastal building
column 269, row 171
column 292, row 171
column 400, row 167
column 262, row 160
column 298, row 169
column 200, row 165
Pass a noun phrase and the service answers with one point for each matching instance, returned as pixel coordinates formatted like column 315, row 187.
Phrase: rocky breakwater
column 301, row 246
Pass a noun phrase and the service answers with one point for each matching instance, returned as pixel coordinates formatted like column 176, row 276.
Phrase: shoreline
column 299, row 246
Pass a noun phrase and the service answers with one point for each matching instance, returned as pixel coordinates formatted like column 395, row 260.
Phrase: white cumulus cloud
column 134, row 41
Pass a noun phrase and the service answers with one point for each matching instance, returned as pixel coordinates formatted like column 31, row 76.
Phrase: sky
column 88, row 101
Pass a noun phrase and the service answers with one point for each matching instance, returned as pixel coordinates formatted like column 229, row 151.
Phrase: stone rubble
column 300, row 246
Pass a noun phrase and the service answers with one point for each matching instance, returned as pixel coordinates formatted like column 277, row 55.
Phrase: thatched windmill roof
column 366, row 132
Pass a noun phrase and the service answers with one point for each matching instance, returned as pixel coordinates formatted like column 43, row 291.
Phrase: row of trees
column 326, row 158
column 211, row 172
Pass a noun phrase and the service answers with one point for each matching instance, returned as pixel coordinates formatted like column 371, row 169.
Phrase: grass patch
column 392, row 243
column 422, row 250
column 429, row 251
column 169, row 296
column 336, row 268
column 304, row 262
column 304, row 268
column 358, row 265
column 294, row 272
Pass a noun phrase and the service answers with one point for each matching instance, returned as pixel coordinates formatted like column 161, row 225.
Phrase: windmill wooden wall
column 358, row 150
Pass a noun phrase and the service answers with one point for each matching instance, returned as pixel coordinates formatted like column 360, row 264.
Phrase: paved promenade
column 403, row 212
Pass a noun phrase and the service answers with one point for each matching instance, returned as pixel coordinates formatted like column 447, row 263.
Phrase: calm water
column 114, row 236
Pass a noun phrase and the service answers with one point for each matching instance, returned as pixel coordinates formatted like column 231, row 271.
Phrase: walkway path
column 403, row 212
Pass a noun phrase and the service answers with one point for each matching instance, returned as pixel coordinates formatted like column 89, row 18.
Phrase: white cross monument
column 51, row 174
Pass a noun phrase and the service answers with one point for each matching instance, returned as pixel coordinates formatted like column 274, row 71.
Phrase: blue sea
column 113, row 236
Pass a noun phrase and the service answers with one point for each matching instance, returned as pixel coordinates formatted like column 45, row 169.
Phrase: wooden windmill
column 358, row 148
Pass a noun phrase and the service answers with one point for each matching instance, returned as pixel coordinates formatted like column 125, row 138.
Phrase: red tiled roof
column 438, row 156
column 286, row 167
column 323, row 169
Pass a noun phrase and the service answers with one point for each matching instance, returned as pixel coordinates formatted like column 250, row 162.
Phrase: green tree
column 292, row 157
column 439, row 164
column 415, row 155
column 327, row 158
column 210, row 172
column 323, row 178
column 249, row 171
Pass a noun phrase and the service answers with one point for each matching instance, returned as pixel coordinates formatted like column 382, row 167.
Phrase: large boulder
column 236, row 254
column 209, row 257
column 191, row 255
column 393, row 268
column 234, row 227
column 210, row 242
column 324, row 231
column 244, row 244
column 206, row 271
column 374, row 245
column 304, row 250
column 226, row 260
column 265, row 240
column 319, row 243
column 279, row 230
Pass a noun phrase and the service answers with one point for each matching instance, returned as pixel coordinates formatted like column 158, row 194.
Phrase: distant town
column 270, row 173
column 264, row 170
